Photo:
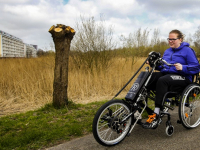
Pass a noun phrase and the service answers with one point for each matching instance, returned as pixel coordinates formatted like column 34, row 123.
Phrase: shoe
column 140, row 122
column 152, row 122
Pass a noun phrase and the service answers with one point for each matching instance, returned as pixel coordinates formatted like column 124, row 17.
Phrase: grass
column 27, row 84
column 47, row 126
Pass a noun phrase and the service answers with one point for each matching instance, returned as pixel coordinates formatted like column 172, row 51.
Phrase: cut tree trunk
column 62, row 36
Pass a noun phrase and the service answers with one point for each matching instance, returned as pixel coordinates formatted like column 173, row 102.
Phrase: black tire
column 106, row 128
column 189, row 107
column 169, row 130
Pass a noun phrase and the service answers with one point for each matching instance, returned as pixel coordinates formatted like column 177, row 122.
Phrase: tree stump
column 62, row 36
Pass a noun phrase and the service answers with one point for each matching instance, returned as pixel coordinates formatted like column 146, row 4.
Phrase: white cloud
column 30, row 20
column 120, row 7
column 171, row 7
column 75, row 8
column 14, row 1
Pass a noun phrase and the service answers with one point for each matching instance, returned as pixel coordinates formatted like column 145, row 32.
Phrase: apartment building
column 11, row 46
column 30, row 50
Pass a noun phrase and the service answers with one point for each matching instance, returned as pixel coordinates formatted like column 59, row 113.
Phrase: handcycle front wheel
column 189, row 107
column 108, row 128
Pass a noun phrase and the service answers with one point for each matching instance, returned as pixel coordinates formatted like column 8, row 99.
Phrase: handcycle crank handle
column 168, row 64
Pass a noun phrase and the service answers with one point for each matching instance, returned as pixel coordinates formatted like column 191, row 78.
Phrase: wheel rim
column 108, row 128
column 169, row 130
column 191, row 107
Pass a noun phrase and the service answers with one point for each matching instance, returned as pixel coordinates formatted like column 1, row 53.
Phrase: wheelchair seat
column 171, row 94
column 177, row 95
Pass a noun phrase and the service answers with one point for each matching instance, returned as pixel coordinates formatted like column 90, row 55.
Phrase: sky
column 30, row 20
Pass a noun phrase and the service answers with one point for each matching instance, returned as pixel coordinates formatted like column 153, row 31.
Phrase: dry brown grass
column 27, row 84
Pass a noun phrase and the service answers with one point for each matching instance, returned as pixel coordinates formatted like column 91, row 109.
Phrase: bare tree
column 142, row 37
column 93, row 40
column 189, row 39
column 136, row 42
column 52, row 47
column 139, row 38
column 62, row 36
column 197, row 38
column 155, row 40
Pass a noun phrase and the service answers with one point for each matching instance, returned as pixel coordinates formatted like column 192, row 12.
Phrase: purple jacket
column 183, row 55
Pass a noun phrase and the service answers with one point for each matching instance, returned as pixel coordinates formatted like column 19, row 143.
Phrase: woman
column 172, row 78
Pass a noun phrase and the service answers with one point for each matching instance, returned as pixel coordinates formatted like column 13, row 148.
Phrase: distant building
column 35, row 46
column 11, row 46
column 30, row 51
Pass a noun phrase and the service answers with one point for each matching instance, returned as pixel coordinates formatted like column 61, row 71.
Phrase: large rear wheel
column 189, row 108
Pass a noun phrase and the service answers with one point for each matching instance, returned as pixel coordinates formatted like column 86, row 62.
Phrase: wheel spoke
column 108, row 139
column 116, row 112
column 101, row 126
column 108, row 129
column 104, row 133
column 196, row 104
column 190, row 108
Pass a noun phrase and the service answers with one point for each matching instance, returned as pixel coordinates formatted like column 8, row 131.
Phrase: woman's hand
column 178, row 66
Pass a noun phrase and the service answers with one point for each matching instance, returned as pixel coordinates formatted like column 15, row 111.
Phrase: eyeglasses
column 172, row 39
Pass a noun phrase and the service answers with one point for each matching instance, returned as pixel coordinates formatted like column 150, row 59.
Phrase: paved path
column 144, row 139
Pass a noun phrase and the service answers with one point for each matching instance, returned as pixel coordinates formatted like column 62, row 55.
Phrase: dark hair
column 179, row 33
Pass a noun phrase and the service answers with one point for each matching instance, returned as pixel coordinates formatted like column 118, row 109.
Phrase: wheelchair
column 117, row 118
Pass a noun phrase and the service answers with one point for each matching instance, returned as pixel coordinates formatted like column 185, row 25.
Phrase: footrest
column 165, row 105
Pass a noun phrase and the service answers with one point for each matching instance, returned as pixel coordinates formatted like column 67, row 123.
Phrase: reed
column 27, row 84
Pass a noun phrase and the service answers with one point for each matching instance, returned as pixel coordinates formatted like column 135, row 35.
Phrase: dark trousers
column 162, row 83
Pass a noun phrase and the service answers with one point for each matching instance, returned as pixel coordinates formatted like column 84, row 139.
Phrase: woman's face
column 173, row 40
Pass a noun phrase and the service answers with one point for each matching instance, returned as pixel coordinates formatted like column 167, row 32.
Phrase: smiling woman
column 175, row 77
column 175, row 38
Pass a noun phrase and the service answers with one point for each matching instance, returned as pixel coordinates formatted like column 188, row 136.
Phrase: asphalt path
column 144, row 139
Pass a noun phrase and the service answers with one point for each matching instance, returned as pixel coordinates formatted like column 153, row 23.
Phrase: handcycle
column 117, row 118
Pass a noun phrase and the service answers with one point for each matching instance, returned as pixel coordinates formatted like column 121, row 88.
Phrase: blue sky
column 65, row 1
column 30, row 20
